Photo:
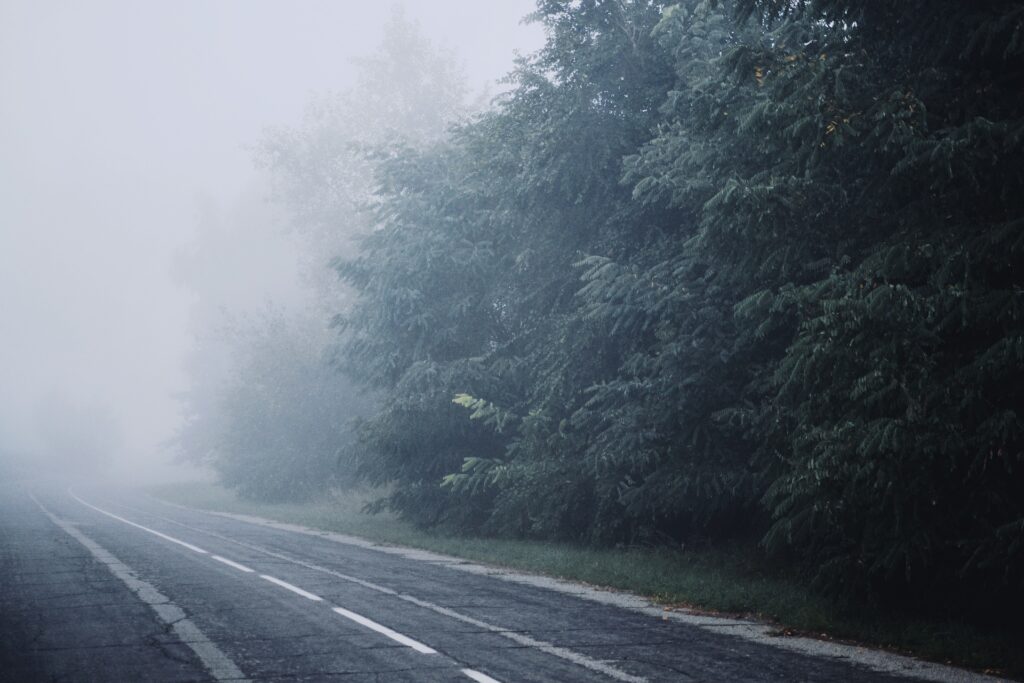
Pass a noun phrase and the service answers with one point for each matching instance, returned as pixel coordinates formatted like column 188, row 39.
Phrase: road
column 112, row 585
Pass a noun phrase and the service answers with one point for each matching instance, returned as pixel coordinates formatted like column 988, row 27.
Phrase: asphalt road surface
column 109, row 585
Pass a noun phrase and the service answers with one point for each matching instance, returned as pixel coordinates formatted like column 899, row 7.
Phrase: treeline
column 267, row 409
column 711, row 270
column 714, row 268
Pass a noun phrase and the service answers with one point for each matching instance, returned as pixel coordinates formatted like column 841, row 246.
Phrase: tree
column 713, row 268
column 471, row 277
column 284, row 416
column 408, row 93
column 278, row 424
column 862, row 210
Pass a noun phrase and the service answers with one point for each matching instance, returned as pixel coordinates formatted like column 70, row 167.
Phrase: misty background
column 696, row 274
column 133, row 209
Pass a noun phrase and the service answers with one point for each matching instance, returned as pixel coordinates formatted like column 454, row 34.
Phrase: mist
column 330, row 332
column 132, row 208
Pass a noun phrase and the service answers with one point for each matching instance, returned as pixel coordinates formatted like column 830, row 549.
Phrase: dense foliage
column 715, row 268
column 896, row 400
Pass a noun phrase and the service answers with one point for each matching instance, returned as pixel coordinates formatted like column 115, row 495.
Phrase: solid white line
column 230, row 563
column 220, row 666
column 293, row 589
column 479, row 677
column 384, row 630
column 191, row 547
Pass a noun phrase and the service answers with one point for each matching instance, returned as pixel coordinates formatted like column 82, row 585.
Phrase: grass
column 731, row 580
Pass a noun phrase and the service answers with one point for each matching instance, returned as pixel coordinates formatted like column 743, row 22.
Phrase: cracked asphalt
column 66, row 616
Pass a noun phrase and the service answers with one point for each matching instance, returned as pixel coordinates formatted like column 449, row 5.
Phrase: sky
column 121, row 124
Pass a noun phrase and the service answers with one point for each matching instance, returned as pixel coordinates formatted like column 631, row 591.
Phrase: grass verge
column 730, row 580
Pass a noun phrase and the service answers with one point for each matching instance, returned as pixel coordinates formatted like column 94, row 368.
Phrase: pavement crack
column 165, row 649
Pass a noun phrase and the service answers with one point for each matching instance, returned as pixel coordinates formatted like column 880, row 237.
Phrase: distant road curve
column 113, row 585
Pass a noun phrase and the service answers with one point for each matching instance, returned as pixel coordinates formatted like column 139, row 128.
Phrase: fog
column 131, row 208
column 717, row 303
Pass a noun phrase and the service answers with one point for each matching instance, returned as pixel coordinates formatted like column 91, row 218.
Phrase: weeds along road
column 111, row 585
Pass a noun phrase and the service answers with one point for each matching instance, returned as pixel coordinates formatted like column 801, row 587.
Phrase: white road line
column 220, row 666
column 479, row 677
column 230, row 563
column 393, row 635
column 191, row 547
column 522, row 639
column 358, row 618
column 879, row 661
column 292, row 588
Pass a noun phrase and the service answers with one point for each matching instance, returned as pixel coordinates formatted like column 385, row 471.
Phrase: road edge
column 877, row 660
column 216, row 662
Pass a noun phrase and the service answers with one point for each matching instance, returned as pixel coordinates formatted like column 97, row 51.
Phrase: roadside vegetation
column 745, row 274
column 731, row 580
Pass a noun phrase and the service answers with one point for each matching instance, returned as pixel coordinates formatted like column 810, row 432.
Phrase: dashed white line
column 520, row 638
column 479, row 677
column 232, row 563
column 293, row 588
column 220, row 666
column 191, row 547
column 358, row 618
column 384, row 630
column 523, row 639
